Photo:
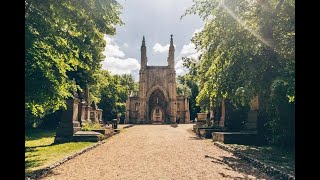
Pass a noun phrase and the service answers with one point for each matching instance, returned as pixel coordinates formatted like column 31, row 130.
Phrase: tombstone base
column 251, row 123
column 68, row 129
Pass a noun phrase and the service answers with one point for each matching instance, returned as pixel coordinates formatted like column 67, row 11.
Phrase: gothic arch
column 157, row 87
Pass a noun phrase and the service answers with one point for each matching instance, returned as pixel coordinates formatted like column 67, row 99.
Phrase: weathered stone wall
column 183, row 109
column 157, row 75
column 152, row 79
column 134, row 111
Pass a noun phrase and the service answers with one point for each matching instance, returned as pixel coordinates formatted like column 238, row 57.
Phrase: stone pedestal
column 88, row 110
column 202, row 116
column 99, row 115
column 251, row 123
column 223, row 114
column 69, row 123
column 82, row 112
column 93, row 116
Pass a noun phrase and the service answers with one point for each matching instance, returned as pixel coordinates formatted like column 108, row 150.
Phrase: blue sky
column 156, row 20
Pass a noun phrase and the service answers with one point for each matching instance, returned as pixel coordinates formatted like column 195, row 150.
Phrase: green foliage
column 63, row 40
column 111, row 92
column 191, row 88
column 247, row 49
column 90, row 126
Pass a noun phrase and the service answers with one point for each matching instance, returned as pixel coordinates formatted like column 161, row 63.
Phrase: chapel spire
column 171, row 53
column 143, row 54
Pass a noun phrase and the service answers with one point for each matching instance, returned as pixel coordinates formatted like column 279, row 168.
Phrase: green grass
column 41, row 152
column 274, row 156
column 91, row 126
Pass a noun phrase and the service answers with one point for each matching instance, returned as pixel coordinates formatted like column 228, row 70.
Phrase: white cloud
column 116, row 62
column 120, row 66
column 197, row 30
column 180, row 69
column 125, row 45
column 112, row 49
column 188, row 49
column 159, row 48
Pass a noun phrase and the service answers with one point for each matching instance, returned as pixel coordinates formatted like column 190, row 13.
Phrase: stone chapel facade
column 157, row 100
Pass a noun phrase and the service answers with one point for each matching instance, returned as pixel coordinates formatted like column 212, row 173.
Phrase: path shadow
column 196, row 138
column 34, row 162
column 35, row 134
column 131, row 125
column 174, row 125
column 274, row 156
column 238, row 165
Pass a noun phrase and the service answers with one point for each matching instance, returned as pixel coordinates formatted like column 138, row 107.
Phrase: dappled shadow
column 131, row 125
column 51, row 173
column 32, row 147
column 174, row 125
column 274, row 156
column 35, row 134
column 34, row 162
column 196, row 138
column 228, row 176
column 238, row 165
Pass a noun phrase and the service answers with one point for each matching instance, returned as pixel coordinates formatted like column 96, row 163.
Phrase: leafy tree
column 247, row 49
column 190, row 81
column 111, row 93
column 63, row 40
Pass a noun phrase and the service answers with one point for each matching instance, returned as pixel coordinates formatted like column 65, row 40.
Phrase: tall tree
column 247, row 49
column 63, row 40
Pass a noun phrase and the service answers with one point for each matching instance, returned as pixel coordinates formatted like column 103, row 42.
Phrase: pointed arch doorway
column 157, row 107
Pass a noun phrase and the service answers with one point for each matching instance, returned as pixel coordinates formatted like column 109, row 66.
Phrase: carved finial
column 143, row 41
column 171, row 40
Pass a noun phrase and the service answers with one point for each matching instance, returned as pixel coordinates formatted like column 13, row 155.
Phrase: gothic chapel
column 157, row 100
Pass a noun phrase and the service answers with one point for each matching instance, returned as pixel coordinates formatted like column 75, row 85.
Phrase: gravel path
column 156, row 152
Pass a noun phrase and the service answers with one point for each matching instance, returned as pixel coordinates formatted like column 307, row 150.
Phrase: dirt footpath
column 156, row 152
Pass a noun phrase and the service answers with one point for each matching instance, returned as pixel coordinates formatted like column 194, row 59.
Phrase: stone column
column 187, row 115
column 93, row 113
column 81, row 114
column 69, row 123
column 251, row 123
column 99, row 115
column 223, row 114
column 127, row 110
column 88, row 110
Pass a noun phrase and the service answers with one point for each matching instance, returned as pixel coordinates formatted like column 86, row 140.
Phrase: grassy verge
column 274, row 156
column 41, row 152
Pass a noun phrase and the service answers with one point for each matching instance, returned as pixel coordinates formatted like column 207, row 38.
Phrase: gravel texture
column 156, row 152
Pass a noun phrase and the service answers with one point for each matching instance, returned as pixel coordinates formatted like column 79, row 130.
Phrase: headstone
column 223, row 114
column 251, row 123
column 88, row 110
column 82, row 112
column 93, row 113
column 69, row 123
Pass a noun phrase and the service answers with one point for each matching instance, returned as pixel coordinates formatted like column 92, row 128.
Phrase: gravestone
column 69, row 123
column 223, row 114
column 82, row 112
column 93, row 113
column 251, row 123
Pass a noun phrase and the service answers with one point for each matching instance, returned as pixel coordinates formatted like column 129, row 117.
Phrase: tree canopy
column 247, row 49
column 63, row 41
